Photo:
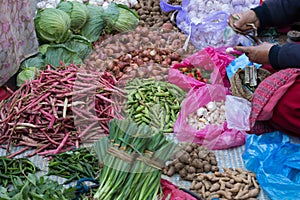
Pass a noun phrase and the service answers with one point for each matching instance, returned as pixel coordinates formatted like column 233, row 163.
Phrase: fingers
column 242, row 49
column 235, row 21
column 246, row 50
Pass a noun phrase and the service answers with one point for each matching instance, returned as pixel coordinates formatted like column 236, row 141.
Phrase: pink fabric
column 4, row 94
column 267, row 111
column 17, row 36
column 267, row 96
column 176, row 194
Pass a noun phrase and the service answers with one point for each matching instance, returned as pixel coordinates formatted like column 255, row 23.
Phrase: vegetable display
column 52, row 25
column 95, row 105
column 58, row 110
column 74, row 165
column 191, row 160
column 119, row 54
column 231, row 184
column 11, row 169
column 133, row 161
column 154, row 103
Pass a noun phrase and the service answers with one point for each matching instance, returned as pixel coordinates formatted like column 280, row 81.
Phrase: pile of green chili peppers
column 12, row 168
column 74, row 165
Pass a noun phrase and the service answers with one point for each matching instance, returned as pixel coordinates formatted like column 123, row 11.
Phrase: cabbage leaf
column 60, row 54
column 81, row 45
column 26, row 75
column 94, row 25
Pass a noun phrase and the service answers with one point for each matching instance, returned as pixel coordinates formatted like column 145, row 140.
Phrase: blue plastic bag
column 239, row 62
column 275, row 159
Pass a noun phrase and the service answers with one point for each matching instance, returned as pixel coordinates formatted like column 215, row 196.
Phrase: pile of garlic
column 212, row 113
column 104, row 3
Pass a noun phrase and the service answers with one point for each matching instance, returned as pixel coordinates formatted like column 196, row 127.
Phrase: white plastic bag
column 237, row 112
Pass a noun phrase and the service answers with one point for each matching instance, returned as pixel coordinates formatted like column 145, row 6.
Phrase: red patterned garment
column 17, row 36
column 276, row 104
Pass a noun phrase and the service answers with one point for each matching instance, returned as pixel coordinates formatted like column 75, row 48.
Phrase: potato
column 179, row 166
column 197, row 163
column 183, row 173
column 171, row 171
column 207, row 167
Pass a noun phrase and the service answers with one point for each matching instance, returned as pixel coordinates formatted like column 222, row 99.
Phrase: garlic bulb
column 201, row 111
column 211, row 106
column 212, row 113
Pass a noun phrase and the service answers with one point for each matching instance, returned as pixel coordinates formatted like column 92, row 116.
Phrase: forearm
column 278, row 12
column 286, row 56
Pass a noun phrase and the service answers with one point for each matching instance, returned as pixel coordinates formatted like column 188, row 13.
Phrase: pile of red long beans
column 58, row 110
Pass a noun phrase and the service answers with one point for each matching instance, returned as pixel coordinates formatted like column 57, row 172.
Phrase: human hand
column 242, row 20
column 257, row 54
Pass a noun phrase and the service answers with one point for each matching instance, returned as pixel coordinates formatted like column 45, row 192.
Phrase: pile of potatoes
column 190, row 160
column 143, row 41
column 151, row 14
column 231, row 184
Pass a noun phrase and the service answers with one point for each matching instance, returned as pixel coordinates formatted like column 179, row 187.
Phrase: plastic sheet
column 212, row 136
column 275, row 158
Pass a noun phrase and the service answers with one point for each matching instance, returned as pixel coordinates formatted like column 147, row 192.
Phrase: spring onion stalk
column 139, row 179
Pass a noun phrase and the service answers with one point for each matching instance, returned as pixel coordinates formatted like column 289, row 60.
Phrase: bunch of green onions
column 136, row 177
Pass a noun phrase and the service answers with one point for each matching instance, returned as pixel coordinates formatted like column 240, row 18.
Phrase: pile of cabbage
column 66, row 33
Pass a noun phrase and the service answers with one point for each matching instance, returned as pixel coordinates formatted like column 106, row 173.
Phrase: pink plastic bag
column 212, row 136
column 209, row 59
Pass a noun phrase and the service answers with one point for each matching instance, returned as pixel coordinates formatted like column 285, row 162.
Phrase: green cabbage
column 52, row 25
column 120, row 18
column 78, row 13
column 94, row 25
column 81, row 45
column 26, row 75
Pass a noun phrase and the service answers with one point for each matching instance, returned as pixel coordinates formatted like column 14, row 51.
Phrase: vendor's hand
column 258, row 54
column 242, row 20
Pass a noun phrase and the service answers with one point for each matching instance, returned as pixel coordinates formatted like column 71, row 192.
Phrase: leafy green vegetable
column 52, row 25
column 94, row 25
column 26, row 75
column 43, row 48
column 81, row 45
column 36, row 188
column 36, row 61
column 120, row 18
column 60, row 53
column 78, row 13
